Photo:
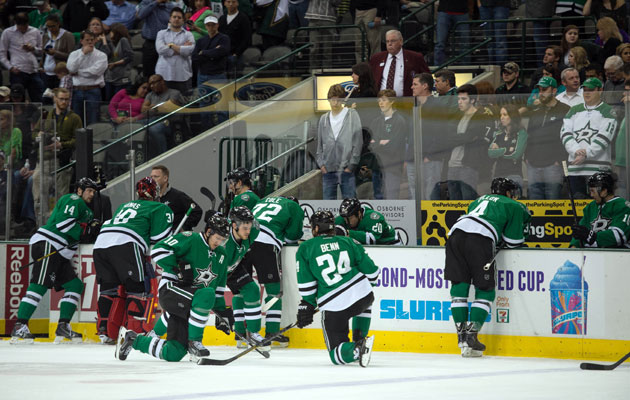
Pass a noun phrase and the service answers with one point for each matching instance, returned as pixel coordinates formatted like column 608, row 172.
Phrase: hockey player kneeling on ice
column 364, row 225
column 335, row 274
column 470, row 250
column 55, row 243
column 606, row 220
column 187, row 300
column 120, row 253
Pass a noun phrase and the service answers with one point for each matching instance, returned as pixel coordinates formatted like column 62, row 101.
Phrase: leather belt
column 89, row 87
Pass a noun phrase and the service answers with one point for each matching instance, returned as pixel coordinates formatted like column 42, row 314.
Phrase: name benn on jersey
column 329, row 246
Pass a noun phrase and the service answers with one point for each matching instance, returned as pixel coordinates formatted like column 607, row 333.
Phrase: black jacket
column 544, row 146
column 180, row 202
column 211, row 54
column 239, row 31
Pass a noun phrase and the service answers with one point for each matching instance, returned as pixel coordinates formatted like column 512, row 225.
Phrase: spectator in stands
column 552, row 56
column 551, row 72
column 512, row 91
column 431, row 127
column 587, row 132
column 468, row 147
column 273, row 21
column 608, row 33
column 79, row 13
column 20, row 45
column 540, row 9
column 594, row 70
column 339, row 142
column 495, row 9
column 87, row 66
column 103, row 41
column 37, row 17
column 175, row 46
column 544, row 152
column 389, row 141
column 451, row 12
column 620, row 149
column 509, row 144
column 118, row 74
column 65, row 79
column 238, row 27
column 126, row 105
column 445, row 84
column 573, row 94
column 364, row 89
column 614, row 85
column 58, row 44
column 578, row 59
column 321, row 13
column 10, row 138
column 615, row 9
column 25, row 116
column 372, row 11
column 5, row 94
column 486, row 104
column 623, row 51
column 211, row 53
column 195, row 23
column 122, row 12
column 297, row 13
column 626, row 71
column 396, row 67
column 570, row 39
column 155, row 15
column 159, row 132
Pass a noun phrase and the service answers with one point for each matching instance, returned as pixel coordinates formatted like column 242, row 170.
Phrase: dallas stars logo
column 585, row 134
column 205, row 276
column 600, row 223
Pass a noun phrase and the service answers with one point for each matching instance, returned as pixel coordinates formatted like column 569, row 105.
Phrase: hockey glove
column 340, row 230
column 305, row 314
column 224, row 320
column 583, row 234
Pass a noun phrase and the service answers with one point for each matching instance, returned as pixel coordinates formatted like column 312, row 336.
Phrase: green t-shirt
column 12, row 142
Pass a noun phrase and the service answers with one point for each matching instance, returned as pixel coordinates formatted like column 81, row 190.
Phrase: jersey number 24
column 333, row 270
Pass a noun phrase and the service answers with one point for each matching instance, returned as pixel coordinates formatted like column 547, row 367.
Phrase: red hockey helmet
column 147, row 188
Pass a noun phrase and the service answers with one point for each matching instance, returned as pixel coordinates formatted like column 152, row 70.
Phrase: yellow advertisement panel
column 550, row 225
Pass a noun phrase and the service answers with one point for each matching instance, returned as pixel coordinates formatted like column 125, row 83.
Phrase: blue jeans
column 28, row 207
column 206, row 118
column 578, row 186
column 344, row 179
column 297, row 14
column 545, row 183
column 445, row 23
column 92, row 108
column 432, row 173
column 497, row 49
column 541, row 37
column 31, row 82
column 377, row 184
column 157, row 137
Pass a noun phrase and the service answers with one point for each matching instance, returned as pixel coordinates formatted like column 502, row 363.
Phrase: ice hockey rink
column 89, row 371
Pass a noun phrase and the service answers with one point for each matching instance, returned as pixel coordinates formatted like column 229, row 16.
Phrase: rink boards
column 411, row 311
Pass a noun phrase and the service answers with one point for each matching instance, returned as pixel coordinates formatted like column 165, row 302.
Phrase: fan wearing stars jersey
column 587, row 132
column 606, row 220
column 193, row 283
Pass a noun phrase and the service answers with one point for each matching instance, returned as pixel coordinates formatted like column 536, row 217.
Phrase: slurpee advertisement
column 568, row 308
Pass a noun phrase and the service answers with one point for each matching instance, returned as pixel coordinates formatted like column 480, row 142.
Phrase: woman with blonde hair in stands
column 578, row 59
column 610, row 36
column 623, row 51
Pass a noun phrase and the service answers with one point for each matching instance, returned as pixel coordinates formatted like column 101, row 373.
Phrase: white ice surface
column 90, row 372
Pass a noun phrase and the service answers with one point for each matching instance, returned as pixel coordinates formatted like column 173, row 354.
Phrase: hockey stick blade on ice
column 210, row 361
column 600, row 367
column 238, row 335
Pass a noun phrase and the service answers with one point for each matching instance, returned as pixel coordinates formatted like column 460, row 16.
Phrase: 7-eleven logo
column 503, row 315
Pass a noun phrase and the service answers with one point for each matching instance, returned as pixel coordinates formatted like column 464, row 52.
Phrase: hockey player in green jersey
column 120, row 254
column 186, row 301
column 606, row 220
column 281, row 219
column 470, row 248
column 336, row 275
column 54, row 244
column 365, row 225
column 240, row 185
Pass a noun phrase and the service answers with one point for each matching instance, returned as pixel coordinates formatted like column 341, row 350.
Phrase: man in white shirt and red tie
column 396, row 67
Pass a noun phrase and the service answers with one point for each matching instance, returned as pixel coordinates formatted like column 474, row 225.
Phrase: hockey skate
column 196, row 349
column 104, row 339
column 461, row 334
column 365, row 350
column 21, row 334
column 65, row 334
column 472, row 347
column 124, row 343
column 256, row 339
column 240, row 343
column 278, row 341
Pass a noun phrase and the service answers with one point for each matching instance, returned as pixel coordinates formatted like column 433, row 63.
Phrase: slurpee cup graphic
column 567, row 314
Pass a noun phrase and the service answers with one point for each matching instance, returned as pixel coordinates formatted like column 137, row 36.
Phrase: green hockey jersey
column 248, row 199
column 593, row 130
column 235, row 251
column 610, row 222
column 64, row 225
column 188, row 253
column 333, row 272
column 140, row 221
column 373, row 229
column 280, row 219
column 497, row 217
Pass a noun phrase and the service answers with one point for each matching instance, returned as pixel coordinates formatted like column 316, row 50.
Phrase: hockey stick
column 46, row 256
column 271, row 302
column 489, row 263
column 210, row 361
column 566, row 176
column 241, row 337
column 181, row 223
column 600, row 367
column 206, row 192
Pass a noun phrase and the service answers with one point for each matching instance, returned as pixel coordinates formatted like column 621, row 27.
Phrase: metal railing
column 340, row 50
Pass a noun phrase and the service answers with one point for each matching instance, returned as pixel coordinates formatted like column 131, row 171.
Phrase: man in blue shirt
column 155, row 14
column 122, row 12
